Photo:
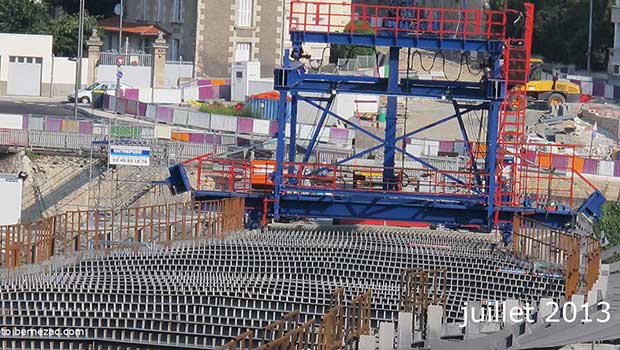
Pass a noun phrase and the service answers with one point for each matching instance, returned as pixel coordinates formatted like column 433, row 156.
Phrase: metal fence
column 130, row 59
column 92, row 230
column 79, row 143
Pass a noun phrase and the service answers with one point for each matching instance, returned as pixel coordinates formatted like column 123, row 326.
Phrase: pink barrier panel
column 197, row 138
column 164, row 114
column 590, row 166
column 273, row 128
column 559, row 162
column 338, row 136
column 530, row 157
column 208, row 92
column 132, row 107
column 142, row 109
column 86, row 127
column 245, row 125
column 446, row 146
column 25, row 122
column 617, row 169
column 130, row 94
column 53, row 124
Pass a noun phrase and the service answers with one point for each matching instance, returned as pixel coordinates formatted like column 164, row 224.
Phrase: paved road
column 45, row 107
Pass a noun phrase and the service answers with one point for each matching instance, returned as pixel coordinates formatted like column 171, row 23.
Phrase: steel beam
column 390, row 40
column 389, row 153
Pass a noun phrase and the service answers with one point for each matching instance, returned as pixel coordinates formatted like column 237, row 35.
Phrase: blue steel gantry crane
column 486, row 194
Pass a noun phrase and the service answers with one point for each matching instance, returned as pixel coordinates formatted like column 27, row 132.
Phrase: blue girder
column 386, row 40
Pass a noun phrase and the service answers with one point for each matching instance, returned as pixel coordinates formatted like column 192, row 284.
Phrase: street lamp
column 590, row 39
column 78, row 66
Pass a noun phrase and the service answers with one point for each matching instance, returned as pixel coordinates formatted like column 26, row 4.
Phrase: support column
column 292, row 148
column 158, row 70
column 280, row 153
column 317, row 131
column 94, row 44
column 491, row 162
column 389, row 159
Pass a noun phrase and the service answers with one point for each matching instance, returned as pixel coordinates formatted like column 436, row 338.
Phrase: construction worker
column 559, row 109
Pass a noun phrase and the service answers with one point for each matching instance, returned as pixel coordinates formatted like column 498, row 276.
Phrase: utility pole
column 78, row 66
column 120, row 28
column 590, row 38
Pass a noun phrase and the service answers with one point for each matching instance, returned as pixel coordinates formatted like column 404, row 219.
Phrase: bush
column 219, row 108
column 610, row 223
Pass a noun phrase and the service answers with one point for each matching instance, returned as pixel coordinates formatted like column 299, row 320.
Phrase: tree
column 350, row 51
column 64, row 28
column 610, row 222
column 22, row 16
column 30, row 17
column 561, row 30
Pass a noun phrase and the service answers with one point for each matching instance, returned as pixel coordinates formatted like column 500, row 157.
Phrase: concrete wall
column 140, row 77
column 27, row 45
column 63, row 76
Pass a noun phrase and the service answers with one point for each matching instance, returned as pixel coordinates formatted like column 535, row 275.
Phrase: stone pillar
column 158, row 70
column 94, row 44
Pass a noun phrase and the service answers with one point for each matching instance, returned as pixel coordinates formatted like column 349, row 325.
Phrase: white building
column 28, row 67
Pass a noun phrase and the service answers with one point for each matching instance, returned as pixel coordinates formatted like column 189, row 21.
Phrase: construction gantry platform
column 480, row 195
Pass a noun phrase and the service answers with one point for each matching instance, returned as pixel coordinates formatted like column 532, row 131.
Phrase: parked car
column 86, row 95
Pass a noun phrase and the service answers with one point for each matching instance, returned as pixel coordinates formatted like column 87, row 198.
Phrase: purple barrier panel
column 617, row 169
column 273, row 128
column 245, row 125
column 197, row 138
column 130, row 94
column 86, row 127
column 217, row 139
column 559, row 162
column 338, row 136
column 598, row 88
column 209, row 139
column 203, row 82
column 208, row 92
column 132, row 107
column 142, row 109
column 53, row 124
column 616, row 92
column 25, row 122
column 446, row 146
column 164, row 114
column 530, row 157
column 590, row 166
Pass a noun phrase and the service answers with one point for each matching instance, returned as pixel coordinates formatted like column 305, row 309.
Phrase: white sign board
column 11, row 203
column 130, row 155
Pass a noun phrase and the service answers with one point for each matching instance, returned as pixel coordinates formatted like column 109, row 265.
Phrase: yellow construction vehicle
column 553, row 92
